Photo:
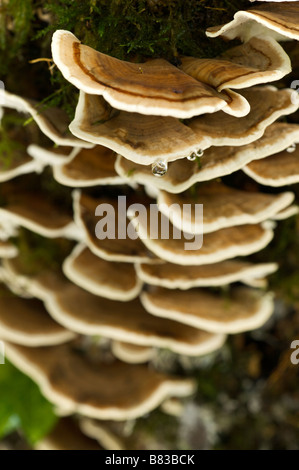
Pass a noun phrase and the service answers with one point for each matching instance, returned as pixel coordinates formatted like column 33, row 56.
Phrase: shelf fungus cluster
column 158, row 135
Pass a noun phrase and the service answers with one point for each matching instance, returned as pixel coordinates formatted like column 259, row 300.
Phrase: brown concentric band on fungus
column 89, row 168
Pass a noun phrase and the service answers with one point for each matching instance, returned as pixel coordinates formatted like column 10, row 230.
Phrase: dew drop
column 159, row 168
column 194, row 155
column 291, row 148
column 199, row 153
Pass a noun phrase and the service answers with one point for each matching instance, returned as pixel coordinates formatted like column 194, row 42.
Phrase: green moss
column 33, row 415
column 15, row 28
column 144, row 28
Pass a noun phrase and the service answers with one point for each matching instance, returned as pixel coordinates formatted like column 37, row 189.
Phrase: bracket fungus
column 174, row 276
column 65, row 302
column 26, row 322
column 182, row 174
column 102, row 432
column 216, row 246
column 33, row 211
column 280, row 169
column 89, row 168
column 155, row 87
column 126, row 321
column 131, row 353
column 275, row 19
column 142, row 292
column 245, row 309
column 117, row 281
column 52, row 122
column 122, row 249
column 130, row 134
column 59, row 371
column 223, row 207
column 260, row 60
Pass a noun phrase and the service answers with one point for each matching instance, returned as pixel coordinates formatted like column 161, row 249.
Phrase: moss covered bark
column 126, row 29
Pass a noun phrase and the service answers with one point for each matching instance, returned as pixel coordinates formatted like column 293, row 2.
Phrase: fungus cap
column 280, row 169
column 280, row 20
column 222, row 207
column 173, row 276
column 182, row 174
column 112, row 280
column 245, row 309
column 74, row 384
column 260, row 60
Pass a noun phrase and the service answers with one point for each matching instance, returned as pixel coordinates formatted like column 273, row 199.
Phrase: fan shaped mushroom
column 73, row 383
column 122, row 321
column 26, row 322
column 125, row 296
column 121, row 249
column 275, row 19
column 155, row 87
column 260, row 60
column 53, row 122
column 174, row 276
column 213, row 247
column 67, row 435
column 244, row 309
column 126, row 321
column 223, row 207
column 130, row 134
column 215, row 163
column 113, row 280
column 33, row 211
column 89, row 168
column 280, row 169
